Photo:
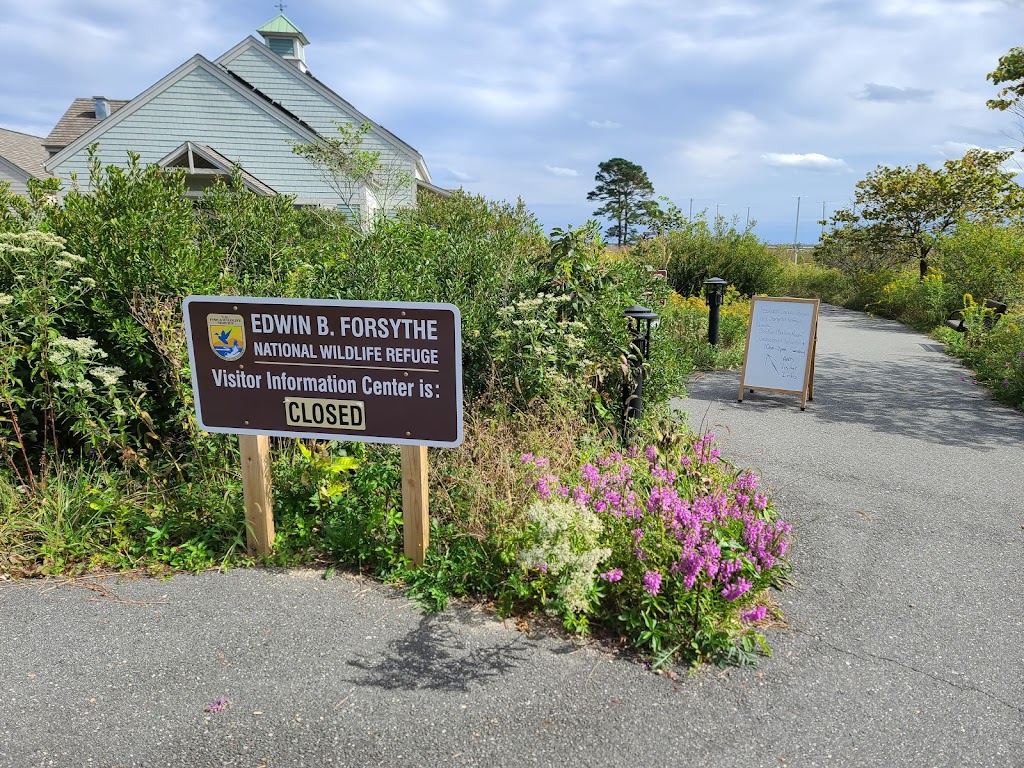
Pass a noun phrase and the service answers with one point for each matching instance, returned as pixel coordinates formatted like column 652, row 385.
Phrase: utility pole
column 690, row 217
column 746, row 223
column 823, row 220
column 717, row 206
column 796, row 230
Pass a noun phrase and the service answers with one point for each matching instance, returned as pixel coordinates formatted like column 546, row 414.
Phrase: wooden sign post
column 781, row 346
column 415, row 503
column 367, row 371
column 256, row 493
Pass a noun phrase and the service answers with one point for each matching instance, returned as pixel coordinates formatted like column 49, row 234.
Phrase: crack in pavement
column 865, row 656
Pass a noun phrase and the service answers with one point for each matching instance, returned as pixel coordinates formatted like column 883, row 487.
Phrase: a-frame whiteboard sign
column 781, row 343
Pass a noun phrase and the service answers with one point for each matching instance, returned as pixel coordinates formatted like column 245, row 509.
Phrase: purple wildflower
column 543, row 486
column 733, row 591
column 651, row 453
column 526, row 458
column 755, row 614
column 613, row 575
column 652, row 582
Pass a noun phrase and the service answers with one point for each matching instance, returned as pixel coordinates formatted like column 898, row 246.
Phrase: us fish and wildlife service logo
column 227, row 335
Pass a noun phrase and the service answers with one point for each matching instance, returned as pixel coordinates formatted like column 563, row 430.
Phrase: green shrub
column 984, row 260
column 993, row 348
column 922, row 304
column 58, row 389
column 810, row 281
column 249, row 243
column 697, row 252
column 685, row 327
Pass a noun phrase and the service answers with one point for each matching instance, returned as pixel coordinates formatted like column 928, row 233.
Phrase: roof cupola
column 286, row 40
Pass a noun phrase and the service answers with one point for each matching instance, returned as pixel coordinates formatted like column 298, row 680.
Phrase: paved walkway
column 904, row 648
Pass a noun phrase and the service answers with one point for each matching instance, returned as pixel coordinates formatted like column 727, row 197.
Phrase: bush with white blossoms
column 56, row 388
column 566, row 551
column 536, row 352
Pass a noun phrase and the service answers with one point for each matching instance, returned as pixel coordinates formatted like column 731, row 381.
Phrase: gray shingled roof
column 24, row 151
column 80, row 117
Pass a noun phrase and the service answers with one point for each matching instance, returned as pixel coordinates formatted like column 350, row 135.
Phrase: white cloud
column 725, row 142
column 954, row 149
column 460, row 175
column 813, row 161
column 558, row 171
column 893, row 93
column 603, row 124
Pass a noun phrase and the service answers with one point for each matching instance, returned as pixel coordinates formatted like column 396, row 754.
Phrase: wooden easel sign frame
column 782, row 340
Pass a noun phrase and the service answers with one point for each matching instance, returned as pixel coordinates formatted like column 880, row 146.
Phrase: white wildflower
column 109, row 375
column 82, row 346
column 567, row 538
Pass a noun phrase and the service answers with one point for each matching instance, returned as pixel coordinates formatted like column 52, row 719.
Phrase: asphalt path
column 904, row 645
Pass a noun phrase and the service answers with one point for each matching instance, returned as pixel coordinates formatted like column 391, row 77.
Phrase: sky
column 747, row 108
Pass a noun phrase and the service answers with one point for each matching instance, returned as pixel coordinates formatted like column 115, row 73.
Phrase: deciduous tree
column 348, row 167
column 899, row 212
column 1009, row 74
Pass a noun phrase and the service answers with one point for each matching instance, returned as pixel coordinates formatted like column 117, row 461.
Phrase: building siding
column 315, row 109
column 19, row 185
column 201, row 108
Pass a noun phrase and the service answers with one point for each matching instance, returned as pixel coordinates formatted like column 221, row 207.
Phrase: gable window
column 203, row 166
column 282, row 46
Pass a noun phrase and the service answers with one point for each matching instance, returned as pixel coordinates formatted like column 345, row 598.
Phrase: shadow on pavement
column 435, row 656
column 915, row 398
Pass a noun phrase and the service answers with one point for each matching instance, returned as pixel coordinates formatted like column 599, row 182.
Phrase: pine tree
column 626, row 192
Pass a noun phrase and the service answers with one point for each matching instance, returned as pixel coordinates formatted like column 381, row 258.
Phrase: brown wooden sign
column 350, row 370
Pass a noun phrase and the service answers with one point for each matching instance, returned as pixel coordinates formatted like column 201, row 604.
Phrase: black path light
column 714, row 290
column 640, row 321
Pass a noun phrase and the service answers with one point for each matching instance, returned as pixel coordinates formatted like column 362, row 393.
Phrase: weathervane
column 281, row 7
